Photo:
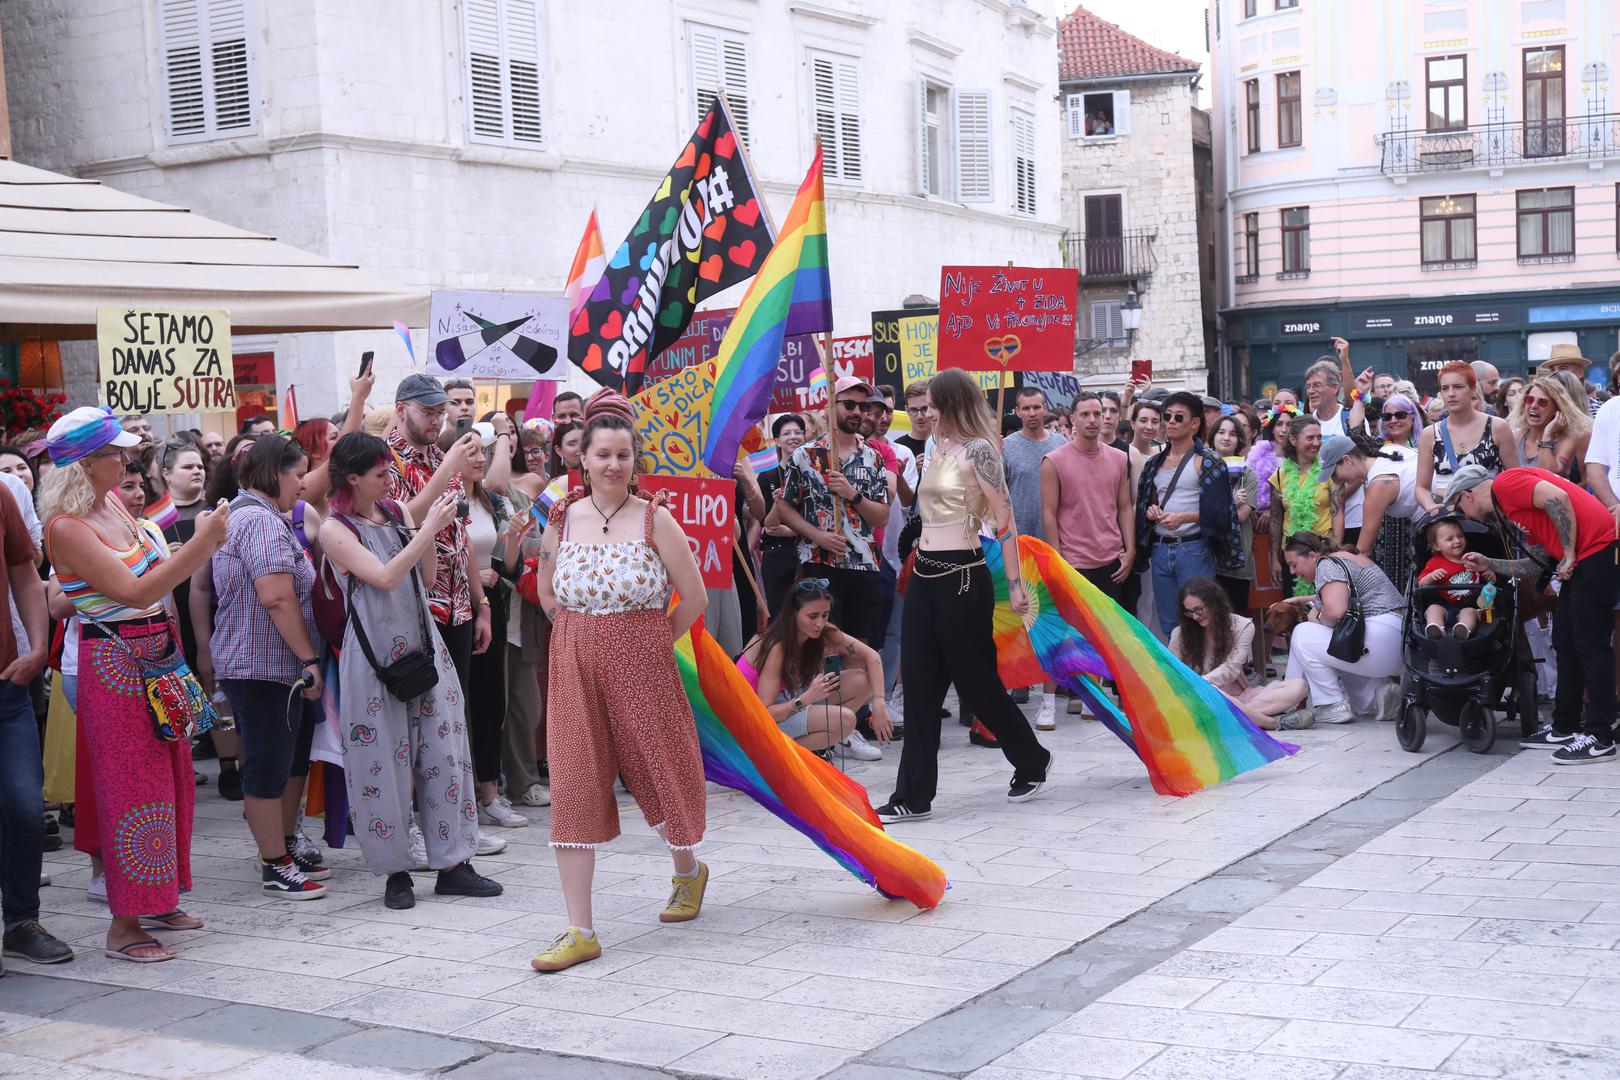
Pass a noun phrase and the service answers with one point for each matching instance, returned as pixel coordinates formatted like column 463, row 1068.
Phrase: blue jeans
column 22, row 806
column 1173, row 565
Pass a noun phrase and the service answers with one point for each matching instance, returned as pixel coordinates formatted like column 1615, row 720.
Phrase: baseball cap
column 1334, row 447
column 1465, row 479
column 422, row 390
column 852, row 382
column 84, row 431
column 485, row 432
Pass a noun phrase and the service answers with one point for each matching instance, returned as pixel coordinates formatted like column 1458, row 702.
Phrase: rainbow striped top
column 138, row 558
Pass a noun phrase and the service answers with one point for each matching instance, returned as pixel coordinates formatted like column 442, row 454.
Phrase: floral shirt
column 805, row 488
column 410, row 470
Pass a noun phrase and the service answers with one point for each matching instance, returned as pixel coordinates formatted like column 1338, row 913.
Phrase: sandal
column 128, row 952
column 171, row 920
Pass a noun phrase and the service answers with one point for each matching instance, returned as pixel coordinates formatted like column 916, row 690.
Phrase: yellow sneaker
column 570, row 948
column 687, row 899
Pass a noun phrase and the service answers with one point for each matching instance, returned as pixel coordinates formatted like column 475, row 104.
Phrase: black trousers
column 778, row 569
column 458, row 640
column 486, row 694
column 1582, row 624
column 857, row 597
column 1102, row 577
column 945, row 638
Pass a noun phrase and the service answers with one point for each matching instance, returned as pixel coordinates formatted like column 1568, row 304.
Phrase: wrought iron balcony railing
column 1493, row 145
column 1111, row 258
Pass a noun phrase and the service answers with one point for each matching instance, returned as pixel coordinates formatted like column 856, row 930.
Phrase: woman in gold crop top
column 946, row 634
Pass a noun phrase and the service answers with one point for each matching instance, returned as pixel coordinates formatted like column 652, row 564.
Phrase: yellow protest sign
column 165, row 361
column 672, row 417
column 919, row 358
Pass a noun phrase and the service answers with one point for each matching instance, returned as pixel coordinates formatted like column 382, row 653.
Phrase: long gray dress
column 388, row 742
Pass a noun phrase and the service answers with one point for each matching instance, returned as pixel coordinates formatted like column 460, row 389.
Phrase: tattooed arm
column 1551, row 500
column 987, row 465
column 1537, row 564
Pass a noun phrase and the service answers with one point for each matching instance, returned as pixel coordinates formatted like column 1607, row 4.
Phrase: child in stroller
column 1459, row 607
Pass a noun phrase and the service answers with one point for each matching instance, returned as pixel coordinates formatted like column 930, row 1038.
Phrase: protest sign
column 1059, row 387
column 698, row 345
column 918, row 336
column 793, row 392
column 508, row 337
column 672, row 418
column 160, row 361
column 703, row 507
column 886, row 347
column 1007, row 318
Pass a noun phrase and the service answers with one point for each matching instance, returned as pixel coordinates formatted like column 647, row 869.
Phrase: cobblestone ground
column 1355, row 912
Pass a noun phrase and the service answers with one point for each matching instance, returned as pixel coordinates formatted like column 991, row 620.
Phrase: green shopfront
column 1414, row 338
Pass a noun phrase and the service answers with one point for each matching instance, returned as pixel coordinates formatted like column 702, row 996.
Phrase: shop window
column 1547, row 225
column 1251, row 112
column 1289, row 115
column 1296, row 241
column 1447, row 230
column 1448, row 92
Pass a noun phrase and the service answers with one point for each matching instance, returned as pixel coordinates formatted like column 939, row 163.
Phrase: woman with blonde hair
column 1550, row 428
column 946, row 636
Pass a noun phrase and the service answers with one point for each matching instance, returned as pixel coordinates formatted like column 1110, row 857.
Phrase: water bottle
column 1487, row 599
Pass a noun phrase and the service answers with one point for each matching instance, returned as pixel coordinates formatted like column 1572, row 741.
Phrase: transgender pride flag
column 791, row 294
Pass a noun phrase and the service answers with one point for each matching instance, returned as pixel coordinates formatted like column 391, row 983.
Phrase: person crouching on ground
column 615, row 702
column 815, row 707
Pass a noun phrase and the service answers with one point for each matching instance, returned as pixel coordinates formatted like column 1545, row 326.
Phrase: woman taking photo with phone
column 814, row 678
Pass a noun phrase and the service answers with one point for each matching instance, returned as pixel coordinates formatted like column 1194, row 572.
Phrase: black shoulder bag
column 1349, row 640
column 409, row 676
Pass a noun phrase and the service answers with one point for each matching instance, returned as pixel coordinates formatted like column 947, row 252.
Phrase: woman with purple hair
column 1400, row 422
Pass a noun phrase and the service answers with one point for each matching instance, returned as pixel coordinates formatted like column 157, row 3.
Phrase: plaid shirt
column 410, row 470
column 246, row 643
column 805, row 488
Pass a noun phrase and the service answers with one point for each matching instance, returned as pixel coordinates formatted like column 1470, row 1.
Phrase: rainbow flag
column 583, row 274
column 791, row 294
column 162, row 512
column 1187, row 733
column 743, row 749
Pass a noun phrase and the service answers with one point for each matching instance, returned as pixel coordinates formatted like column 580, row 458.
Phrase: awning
column 69, row 246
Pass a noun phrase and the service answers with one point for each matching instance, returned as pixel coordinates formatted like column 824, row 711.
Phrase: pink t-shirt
column 1088, row 492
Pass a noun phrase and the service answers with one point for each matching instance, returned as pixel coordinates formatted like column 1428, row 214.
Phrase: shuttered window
column 1074, row 109
column 973, row 163
column 503, row 71
column 1023, row 162
column 207, row 68
column 1106, row 323
column 719, row 65
column 835, row 96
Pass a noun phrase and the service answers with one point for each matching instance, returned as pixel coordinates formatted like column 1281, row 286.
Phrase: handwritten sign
column 703, row 507
column 510, row 337
column 1007, row 318
column 1059, row 387
column 158, row 361
column 671, row 417
column 700, row 344
column 919, row 360
column 792, row 393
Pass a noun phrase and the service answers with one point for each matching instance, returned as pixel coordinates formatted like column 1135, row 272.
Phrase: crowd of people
column 397, row 592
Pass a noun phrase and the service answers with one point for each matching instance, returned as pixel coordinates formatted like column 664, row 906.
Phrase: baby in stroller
column 1445, row 567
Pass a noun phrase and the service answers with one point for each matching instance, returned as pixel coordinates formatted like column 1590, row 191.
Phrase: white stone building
column 462, row 143
column 1135, row 180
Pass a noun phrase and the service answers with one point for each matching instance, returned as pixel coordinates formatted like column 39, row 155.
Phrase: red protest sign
column 1007, row 318
column 850, row 356
column 703, row 507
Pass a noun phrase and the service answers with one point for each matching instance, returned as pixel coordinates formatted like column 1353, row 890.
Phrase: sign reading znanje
column 155, row 360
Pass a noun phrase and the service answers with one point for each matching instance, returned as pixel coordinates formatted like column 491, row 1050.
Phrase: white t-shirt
column 1605, row 445
column 898, row 513
column 1333, row 425
column 1405, row 504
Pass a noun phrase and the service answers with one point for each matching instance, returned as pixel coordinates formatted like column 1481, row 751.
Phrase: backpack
column 327, row 599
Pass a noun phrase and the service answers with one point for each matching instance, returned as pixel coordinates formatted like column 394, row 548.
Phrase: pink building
column 1432, row 181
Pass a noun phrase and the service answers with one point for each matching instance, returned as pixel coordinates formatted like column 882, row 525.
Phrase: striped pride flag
column 791, row 294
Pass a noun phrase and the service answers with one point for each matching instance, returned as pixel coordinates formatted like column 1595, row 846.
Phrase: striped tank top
column 138, row 558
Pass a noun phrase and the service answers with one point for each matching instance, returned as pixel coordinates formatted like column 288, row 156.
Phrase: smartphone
column 1141, row 369
column 365, row 363
column 832, row 665
column 463, row 426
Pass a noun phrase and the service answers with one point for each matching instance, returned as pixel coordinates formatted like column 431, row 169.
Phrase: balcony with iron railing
column 1499, row 144
column 1128, row 257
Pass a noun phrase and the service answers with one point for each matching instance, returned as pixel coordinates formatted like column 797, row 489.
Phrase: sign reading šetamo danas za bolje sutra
column 165, row 361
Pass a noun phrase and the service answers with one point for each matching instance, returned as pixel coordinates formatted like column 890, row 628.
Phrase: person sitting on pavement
column 1216, row 642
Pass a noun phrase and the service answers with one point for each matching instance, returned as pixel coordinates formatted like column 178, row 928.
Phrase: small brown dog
column 1282, row 617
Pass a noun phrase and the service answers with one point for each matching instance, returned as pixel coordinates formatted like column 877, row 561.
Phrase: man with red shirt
column 1566, row 531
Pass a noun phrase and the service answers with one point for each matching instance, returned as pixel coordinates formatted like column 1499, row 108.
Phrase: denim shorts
column 275, row 734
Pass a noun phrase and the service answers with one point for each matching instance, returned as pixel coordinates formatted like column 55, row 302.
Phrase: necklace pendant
column 604, row 530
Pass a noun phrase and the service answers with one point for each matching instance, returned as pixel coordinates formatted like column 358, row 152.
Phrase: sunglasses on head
column 805, row 586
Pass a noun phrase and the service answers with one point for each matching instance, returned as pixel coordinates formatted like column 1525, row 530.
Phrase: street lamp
column 1130, row 317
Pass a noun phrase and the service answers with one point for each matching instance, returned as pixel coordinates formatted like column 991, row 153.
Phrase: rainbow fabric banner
column 1187, row 733
column 743, row 749
column 791, row 294
column 162, row 512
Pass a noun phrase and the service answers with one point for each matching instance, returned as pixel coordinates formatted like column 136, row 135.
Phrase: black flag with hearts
column 705, row 230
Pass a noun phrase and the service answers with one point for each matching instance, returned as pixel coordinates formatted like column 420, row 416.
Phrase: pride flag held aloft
column 791, row 294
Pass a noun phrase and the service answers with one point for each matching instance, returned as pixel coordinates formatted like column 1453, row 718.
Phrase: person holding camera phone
column 404, row 725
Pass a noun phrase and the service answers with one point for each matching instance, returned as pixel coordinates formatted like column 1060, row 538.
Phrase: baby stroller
column 1464, row 683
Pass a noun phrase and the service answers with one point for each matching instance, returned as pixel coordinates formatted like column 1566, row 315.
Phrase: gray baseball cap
column 1334, row 447
column 1465, row 479
column 422, row 390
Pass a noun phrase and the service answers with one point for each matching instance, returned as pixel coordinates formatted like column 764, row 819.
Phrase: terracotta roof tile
column 1094, row 48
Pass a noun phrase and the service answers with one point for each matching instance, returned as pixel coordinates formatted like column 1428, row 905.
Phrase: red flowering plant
column 23, row 408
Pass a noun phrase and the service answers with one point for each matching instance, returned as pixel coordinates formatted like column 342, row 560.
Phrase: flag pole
column 748, row 163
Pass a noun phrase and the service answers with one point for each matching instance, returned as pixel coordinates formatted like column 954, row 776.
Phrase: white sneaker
column 537, row 795
column 858, row 748
column 499, row 812
column 1046, row 716
column 489, row 845
column 97, row 889
column 1336, row 713
column 418, row 848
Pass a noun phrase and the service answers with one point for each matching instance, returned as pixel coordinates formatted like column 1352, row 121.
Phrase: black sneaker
column 399, row 892
column 1547, row 739
column 1023, row 790
column 313, row 869
column 51, row 827
column 50, row 843
column 285, row 880
column 1583, row 750
column 1020, row 696
column 230, row 784
column 31, row 941
column 891, row 812
column 463, row 880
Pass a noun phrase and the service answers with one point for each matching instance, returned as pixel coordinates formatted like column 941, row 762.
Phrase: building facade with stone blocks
column 1133, row 189
column 1432, row 182
column 463, row 143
